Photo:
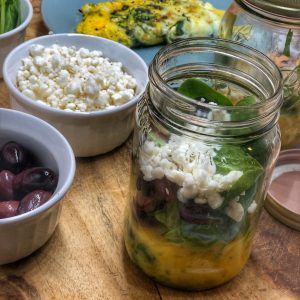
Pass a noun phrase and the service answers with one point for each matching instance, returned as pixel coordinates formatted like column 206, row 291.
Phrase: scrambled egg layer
column 143, row 22
column 184, row 266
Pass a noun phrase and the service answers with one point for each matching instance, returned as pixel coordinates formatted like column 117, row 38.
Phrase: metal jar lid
column 283, row 198
column 282, row 10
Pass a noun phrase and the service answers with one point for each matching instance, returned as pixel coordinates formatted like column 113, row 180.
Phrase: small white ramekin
column 23, row 234
column 89, row 133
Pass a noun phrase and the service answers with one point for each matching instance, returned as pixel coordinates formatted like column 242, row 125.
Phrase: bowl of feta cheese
column 85, row 86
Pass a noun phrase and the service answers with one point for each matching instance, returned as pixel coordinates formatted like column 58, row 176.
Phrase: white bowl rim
column 23, row 25
column 53, row 110
column 59, row 194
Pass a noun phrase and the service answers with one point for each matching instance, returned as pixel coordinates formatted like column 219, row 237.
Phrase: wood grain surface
column 85, row 258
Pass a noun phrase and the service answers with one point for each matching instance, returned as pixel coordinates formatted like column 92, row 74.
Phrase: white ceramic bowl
column 23, row 234
column 90, row 133
column 9, row 40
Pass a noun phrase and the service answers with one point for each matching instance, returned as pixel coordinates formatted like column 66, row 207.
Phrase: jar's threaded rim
column 244, row 58
column 280, row 10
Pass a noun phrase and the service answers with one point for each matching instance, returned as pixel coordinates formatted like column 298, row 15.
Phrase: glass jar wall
column 272, row 27
column 201, row 161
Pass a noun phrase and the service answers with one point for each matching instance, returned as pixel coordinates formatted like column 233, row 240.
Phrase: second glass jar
column 272, row 27
column 200, row 170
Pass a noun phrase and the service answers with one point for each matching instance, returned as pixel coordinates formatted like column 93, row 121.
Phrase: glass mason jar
column 272, row 27
column 200, row 170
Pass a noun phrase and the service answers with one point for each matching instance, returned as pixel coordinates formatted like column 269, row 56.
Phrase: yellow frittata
column 142, row 22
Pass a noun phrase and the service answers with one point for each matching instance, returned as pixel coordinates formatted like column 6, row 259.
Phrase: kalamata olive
column 33, row 200
column 145, row 203
column 8, row 208
column 6, row 185
column 198, row 213
column 14, row 157
column 38, row 178
column 170, row 190
column 160, row 189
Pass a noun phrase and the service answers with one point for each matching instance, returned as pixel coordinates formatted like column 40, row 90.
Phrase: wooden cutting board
column 85, row 258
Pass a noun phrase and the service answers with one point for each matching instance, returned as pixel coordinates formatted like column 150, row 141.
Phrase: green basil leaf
column 232, row 158
column 195, row 88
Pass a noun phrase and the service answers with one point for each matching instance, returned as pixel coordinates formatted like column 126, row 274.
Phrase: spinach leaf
column 207, row 234
column 248, row 100
column 154, row 137
column 174, row 235
column 170, row 218
column 10, row 15
column 143, row 254
column 195, row 88
column 141, row 14
column 179, row 28
column 259, row 150
column 249, row 196
column 288, row 41
column 233, row 158
column 168, row 215
column 245, row 114
column 218, row 228
column 2, row 15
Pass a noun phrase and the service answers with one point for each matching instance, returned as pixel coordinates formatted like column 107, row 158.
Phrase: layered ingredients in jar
column 194, row 204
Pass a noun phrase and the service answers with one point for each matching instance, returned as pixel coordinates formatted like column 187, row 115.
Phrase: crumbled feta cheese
column 235, row 210
column 36, row 50
column 215, row 200
column 251, row 209
column 199, row 200
column 218, row 115
column 79, row 80
column 190, row 165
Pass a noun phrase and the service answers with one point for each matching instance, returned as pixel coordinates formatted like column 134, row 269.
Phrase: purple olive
column 33, row 200
column 6, row 185
column 159, row 189
column 145, row 203
column 38, row 178
column 14, row 157
column 8, row 208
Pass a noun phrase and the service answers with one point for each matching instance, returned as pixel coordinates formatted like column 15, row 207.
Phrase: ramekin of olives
column 37, row 167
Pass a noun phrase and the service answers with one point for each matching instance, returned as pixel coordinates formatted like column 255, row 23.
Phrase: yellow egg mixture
column 182, row 265
column 143, row 22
